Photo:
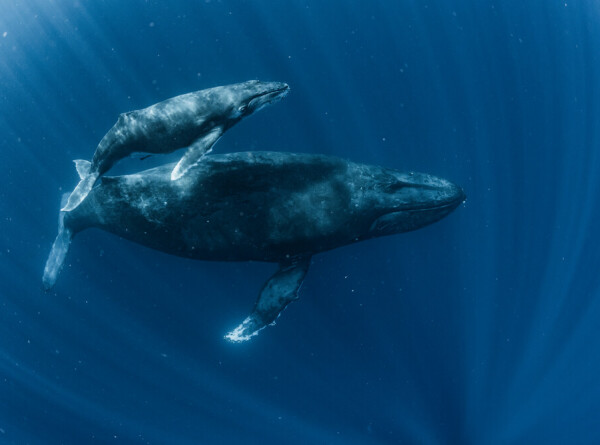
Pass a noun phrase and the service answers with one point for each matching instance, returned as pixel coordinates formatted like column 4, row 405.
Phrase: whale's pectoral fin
column 83, row 167
column 194, row 153
column 279, row 291
column 83, row 188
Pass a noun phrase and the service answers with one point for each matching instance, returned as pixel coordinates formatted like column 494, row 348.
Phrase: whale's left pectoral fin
column 196, row 151
column 279, row 291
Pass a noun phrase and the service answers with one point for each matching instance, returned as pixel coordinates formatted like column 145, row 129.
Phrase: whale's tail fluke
column 87, row 181
column 59, row 251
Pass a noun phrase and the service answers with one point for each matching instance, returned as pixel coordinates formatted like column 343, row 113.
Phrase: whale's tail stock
column 87, row 179
column 59, row 250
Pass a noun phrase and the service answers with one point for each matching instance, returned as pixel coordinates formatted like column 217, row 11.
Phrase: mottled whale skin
column 196, row 120
column 260, row 206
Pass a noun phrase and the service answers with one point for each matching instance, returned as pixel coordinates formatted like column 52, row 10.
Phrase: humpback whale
column 195, row 120
column 259, row 206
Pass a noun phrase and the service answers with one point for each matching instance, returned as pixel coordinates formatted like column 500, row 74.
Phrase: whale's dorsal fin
column 279, row 291
column 194, row 153
column 122, row 116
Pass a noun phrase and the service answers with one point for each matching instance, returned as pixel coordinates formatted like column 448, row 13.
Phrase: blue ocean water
column 480, row 329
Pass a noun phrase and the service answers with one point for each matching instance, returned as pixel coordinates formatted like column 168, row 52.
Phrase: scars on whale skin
column 260, row 206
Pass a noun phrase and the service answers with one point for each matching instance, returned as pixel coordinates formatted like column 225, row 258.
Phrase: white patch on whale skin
column 149, row 205
column 240, row 334
column 179, row 111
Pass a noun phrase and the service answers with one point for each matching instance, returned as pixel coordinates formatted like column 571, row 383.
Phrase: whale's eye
column 243, row 108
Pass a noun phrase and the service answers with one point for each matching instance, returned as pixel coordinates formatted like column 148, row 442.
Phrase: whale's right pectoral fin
column 196, row 151
column 279, row 291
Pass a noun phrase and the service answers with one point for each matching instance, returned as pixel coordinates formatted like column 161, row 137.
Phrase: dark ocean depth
column 483, row 328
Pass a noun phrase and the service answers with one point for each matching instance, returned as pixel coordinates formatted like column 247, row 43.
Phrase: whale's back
column 241, row 206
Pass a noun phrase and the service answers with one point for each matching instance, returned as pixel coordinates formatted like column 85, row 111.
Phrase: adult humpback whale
column 260, row 206
column 194, row 120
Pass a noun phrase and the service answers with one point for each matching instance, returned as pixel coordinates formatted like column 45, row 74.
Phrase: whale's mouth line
column 283, row 89
column 388, row 221
column 454, row 203
column 438, row 207
column 271, row 95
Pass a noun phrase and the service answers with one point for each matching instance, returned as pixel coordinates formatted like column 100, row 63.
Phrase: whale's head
column 409, row 201
column 246, row 98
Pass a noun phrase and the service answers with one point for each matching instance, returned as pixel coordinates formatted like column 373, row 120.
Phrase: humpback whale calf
column 259, row 206
column 194, row 120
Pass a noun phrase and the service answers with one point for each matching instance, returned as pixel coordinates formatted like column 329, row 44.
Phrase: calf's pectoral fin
column 279, row 291
column 82, row 189
column 83, row 167
column 194, row 153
